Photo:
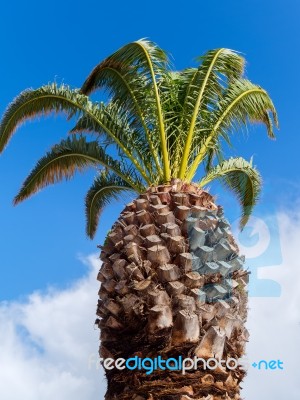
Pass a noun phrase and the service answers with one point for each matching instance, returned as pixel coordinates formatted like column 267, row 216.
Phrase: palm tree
column 172, row 280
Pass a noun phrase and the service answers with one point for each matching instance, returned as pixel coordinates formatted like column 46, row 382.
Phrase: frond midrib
column 86, row 157
column 85, row 110
column 203, row 151
column 186, row 151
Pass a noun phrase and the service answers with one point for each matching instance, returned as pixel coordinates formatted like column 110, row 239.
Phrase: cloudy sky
column 48, row 290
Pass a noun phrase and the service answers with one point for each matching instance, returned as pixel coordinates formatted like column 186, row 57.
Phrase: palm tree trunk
column 172, row 285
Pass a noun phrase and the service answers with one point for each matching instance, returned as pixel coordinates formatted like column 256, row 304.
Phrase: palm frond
column 157, row 124
column 170, row 86
column 213, row 152
column 106, row 186
column 242, row 178
column 138, row 63
column 131, row 91
column 119, row 123
column 67, row 157
column 243, row 103
column 33, row 103
column 52, row 98
column 127, row 60
column 205, row 87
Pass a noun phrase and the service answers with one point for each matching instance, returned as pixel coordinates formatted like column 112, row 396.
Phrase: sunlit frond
column 242, row 179
column 106, row 186
column 127, row 60
column 130, row 90
column 66, row 158
column 170, row 86
column 243, row 102
column 119, row 123
column 51, row 98
column 137, row 66
column 205, row 88
column 33, row 103
column 156, row 124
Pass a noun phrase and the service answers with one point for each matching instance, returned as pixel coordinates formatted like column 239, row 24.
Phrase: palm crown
column 157, row 125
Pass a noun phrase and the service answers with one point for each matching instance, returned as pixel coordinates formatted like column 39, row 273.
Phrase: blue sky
column 42, row 241
column 62, row 41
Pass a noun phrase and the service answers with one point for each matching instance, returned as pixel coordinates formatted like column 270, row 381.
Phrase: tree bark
column 172, row 284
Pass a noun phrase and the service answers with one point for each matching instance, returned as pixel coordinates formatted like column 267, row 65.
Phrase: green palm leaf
column 240, row 177
column 119, row 123
column 65, row 159
column 142, row 55
column 105, row 188
column 157, row 124
column 33, row 103
column 135, row 68
column 52, row 98
column 205, row 87
column 131, row 91
column 243, row 102
column 170, row 86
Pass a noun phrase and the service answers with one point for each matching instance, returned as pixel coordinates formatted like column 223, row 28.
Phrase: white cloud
column 46, row 344
column 274, row 322
column 47, row 341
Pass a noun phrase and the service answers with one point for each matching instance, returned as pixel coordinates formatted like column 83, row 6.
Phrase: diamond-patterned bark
column 172, row 284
